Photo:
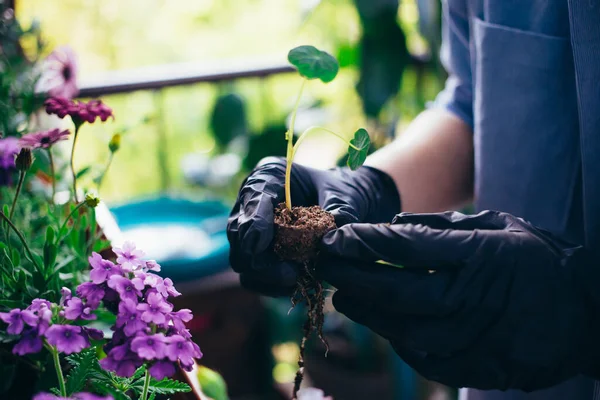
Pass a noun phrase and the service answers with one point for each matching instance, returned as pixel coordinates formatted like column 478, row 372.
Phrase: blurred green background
column 110, row 35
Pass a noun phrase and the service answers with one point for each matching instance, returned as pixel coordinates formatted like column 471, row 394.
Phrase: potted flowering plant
column 74, row 324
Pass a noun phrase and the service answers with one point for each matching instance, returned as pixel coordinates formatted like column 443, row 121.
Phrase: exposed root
column 311, row 291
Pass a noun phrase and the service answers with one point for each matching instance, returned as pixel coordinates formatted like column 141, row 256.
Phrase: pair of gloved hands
column 485, row 301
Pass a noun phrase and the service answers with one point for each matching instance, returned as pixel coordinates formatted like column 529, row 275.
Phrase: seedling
column 300, row 229
column 311, row 64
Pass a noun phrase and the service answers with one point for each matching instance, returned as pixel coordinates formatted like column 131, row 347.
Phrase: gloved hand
column 365, row 195
column 485, row 301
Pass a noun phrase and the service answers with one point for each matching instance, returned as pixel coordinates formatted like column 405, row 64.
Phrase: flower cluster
column 79, row 111
column 43, row 139
column 38, row 322
column 147, row 329
column 74, row 396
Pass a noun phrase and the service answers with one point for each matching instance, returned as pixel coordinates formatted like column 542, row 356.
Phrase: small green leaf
column 15, row 257
column 313, row 63
column 83, row 171
column 50, row 235
column 361, row 140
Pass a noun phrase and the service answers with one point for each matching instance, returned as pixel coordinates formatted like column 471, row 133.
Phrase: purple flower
column 39, row 304
column 152, row 265
column 91, row 292
column 89, row 396
column 187, row 364
column 155, row 309
column 67, row 339
column 59, row 76
column 165, row 288
column 9, row 147
column 124, row 368
column 162, row 369
column 60, row 106
column 16, row 320
column 75, row 309
column 121, row 360
column 74, row 396
column 129, row 289
column 179, row 318
column 179, row 347
column 130, row 318
column 102, row 269
column 98, row 109
column 44, row 139
column 65, row 295
column 93, row 333
column 44, row 316
column 149, row 347
column 128, row 256
column 30, row 343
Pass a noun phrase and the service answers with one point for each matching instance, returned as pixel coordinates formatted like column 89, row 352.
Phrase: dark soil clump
column 297, row 236
column 298, row 232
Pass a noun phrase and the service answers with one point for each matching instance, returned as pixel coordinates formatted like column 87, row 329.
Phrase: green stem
column 52, row 174
column 146, row 386
column 59, row 373
column 290, row 149
column 21, row 237
column 101, row 178
column 60, row 231
column 316, row 129
column 19, row 186
column 77, row 126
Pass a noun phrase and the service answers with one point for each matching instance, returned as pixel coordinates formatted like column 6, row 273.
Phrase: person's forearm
column 431, row 163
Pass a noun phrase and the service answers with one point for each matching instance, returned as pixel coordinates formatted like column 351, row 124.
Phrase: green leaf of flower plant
column 361, row 140
column 313, row 63
column 164, row 387
column 83, row 364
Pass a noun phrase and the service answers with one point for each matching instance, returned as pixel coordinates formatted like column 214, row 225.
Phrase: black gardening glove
column 365, row 195
column 485, row 301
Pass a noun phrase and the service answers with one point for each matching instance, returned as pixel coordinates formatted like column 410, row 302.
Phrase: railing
column 169, row 75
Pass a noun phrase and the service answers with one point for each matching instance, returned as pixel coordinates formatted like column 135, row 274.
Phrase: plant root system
column 298, row 233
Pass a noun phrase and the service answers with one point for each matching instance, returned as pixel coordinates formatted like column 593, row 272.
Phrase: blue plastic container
column 187, row 238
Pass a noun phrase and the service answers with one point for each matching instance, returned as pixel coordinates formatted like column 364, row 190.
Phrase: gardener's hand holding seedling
column 363, row 195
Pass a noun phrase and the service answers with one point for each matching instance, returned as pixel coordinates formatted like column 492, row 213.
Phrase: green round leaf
column 313, row 63
column 361, row 140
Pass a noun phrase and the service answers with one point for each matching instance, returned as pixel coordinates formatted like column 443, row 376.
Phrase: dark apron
column 527, row 144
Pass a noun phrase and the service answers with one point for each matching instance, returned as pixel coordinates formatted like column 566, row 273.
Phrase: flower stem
column 21, row 237
column 146, row 386
column 59, row 373
column 77, row 126
column 77, row 207
column 101, row 178
column 19, row 186
column 289, row 135
column 52, row 174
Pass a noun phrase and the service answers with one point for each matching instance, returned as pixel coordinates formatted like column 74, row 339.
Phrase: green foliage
column 18, row 75
column 361, row 140
column 228, row 119
column 163, row 387
column 313, row 63
column 383, row 54
column 82, row 366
